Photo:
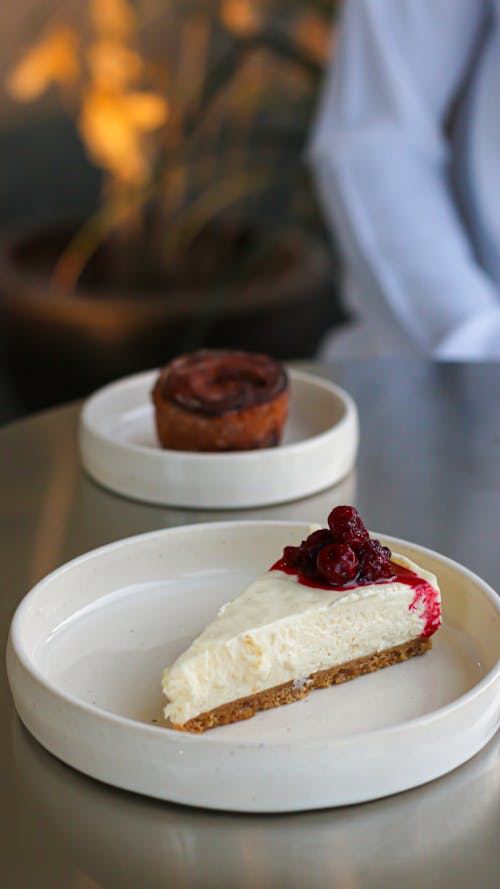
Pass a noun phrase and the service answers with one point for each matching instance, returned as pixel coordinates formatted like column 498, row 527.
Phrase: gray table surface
column 428, row 471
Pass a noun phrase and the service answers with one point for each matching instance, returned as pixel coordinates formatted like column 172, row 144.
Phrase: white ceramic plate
column 119, row 449
column 88, row 644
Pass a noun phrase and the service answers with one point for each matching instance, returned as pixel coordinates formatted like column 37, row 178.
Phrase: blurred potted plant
column 207, row 233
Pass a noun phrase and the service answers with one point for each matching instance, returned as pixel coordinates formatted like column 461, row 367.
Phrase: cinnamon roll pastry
column 221, row 400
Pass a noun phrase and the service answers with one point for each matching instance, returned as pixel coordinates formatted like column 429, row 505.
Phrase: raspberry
column 301, row 560
column 303, row 557
column 374, row 561
column 317, row 540
column 337, row 563
column 292, row 556
column 347, row 526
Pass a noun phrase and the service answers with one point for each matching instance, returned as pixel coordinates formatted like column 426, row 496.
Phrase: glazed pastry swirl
column 216, row 382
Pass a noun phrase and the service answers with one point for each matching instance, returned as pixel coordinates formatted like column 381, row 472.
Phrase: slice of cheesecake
column 336, row 607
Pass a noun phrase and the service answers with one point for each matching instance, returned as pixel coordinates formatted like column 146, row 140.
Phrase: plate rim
column 161, row 454
column 14, row 644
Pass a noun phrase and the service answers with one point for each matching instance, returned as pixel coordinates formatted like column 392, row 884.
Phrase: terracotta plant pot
column 58, row 346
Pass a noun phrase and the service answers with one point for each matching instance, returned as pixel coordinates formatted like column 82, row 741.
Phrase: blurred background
column 154, row 189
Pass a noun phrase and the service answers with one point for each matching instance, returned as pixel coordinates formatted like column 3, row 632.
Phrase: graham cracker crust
column 245, row 708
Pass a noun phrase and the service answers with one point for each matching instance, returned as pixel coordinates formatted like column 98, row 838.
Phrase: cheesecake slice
column 335, row 607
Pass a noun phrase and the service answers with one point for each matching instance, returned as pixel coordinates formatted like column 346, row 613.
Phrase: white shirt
column 406, row 155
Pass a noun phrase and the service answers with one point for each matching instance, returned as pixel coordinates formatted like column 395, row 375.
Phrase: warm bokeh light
column 54, row 59
column 112, row 125
column 240, row 16
column 191, row 126
column 112, row 65
column 311, row 33
column 113, row 19
column 115, row 115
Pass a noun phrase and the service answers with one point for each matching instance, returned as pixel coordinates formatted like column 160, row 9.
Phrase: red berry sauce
column 345, row 557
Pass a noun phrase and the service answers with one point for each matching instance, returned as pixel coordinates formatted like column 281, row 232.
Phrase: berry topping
column 296, row 557
column 343, row 556
column 375, row 561
column 303, row 557
column 347, row 526
column 317, row 540
column 337, row 563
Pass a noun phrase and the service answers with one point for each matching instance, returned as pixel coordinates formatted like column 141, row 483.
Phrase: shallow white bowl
column 88, row 644
column 119, row 449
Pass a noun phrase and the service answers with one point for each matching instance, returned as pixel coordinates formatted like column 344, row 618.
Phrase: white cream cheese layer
column 280, row 630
